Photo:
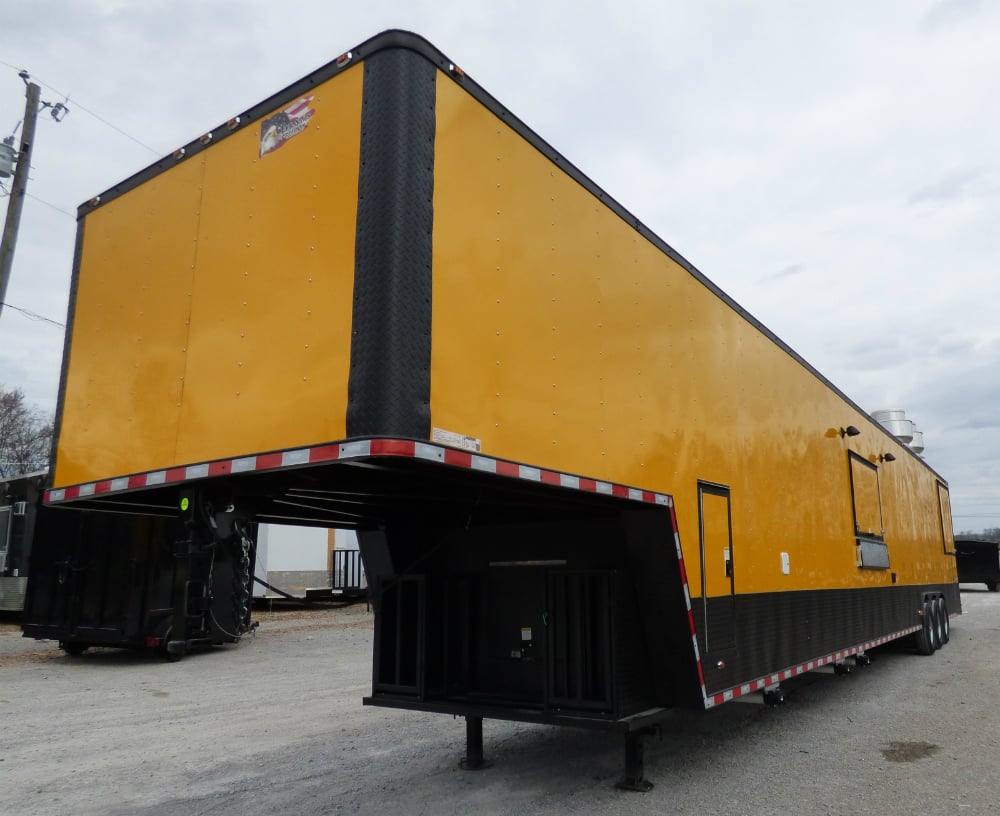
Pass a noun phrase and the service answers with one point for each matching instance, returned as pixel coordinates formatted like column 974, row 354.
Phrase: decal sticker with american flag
column 278, row 129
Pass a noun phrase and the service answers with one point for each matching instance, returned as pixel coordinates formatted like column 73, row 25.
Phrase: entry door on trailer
column 715, row 534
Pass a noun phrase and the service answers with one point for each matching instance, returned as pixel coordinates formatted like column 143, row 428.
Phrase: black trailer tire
column 992, row 586
column 162, row 633
column 73, row 649
column 942, row 605
column 174, row 650
column 922, row 639
column 935, row 619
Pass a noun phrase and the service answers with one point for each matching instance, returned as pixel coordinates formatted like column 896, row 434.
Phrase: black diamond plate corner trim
column 390, row 378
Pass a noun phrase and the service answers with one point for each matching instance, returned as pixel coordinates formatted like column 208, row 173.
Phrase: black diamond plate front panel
column 389, row 385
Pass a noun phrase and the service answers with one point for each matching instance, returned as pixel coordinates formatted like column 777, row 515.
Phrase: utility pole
column 19, row 186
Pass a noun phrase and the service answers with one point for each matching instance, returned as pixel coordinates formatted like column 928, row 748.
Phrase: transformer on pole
column 20, row 162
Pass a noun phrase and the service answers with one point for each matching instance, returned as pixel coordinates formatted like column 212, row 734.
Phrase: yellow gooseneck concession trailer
column 588, row 486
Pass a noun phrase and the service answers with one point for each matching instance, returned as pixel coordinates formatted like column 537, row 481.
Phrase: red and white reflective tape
column 761, row 683
column 359, row 449
column 688, row 604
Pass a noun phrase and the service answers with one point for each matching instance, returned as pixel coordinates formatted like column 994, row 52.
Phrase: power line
column 103, row 121
column 34, row 316
column 100, row 119
column 4, row 193
column 977, row 515
column 53, row 206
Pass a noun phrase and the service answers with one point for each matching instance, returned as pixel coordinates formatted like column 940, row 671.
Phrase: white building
column 294, row 559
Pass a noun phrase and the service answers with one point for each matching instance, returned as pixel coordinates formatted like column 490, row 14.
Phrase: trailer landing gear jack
column 634, row 779
column 474, row 760
column 774, row 696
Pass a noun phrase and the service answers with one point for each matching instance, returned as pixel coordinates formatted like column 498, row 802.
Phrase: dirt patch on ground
column 909, row 751
column 9, row 623
column 283, row 621
column 38, row 656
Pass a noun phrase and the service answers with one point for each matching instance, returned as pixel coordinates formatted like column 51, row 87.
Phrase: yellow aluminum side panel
column 213, row 314
column 563, row 338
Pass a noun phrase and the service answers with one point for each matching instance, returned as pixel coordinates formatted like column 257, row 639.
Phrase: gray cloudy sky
column 833, row 166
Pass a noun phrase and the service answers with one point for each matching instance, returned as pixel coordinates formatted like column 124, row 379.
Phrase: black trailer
column 156, row 580
column 19, row 500
column 978, row 561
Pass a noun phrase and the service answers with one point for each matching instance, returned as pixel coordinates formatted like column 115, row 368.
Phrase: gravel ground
column 276, row 725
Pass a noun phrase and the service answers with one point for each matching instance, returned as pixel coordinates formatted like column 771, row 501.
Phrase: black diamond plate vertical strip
column 389, row 385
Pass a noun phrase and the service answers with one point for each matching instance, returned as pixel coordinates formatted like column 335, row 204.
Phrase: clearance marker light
column 179, row 153
column 455, row 71
column 233, row 122
column 343, row 59
column 206, row 138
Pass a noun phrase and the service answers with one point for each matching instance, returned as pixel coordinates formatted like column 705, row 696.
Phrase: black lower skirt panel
column 753, row 635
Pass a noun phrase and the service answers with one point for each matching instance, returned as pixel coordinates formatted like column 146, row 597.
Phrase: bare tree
column 989, row 534
column 25, row 435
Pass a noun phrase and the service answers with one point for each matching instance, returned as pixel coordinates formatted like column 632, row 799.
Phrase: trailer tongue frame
column 501, row 590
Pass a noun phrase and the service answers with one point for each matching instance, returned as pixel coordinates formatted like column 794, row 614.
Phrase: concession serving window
column 867, row 501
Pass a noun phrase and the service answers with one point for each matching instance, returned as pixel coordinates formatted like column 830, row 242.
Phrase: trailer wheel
column 774, row 696
column 942, row 605
column 991, row 586
column 162, row 635
column 935, row 624
column 73, row 649
column 175, row 650
column 922, row 639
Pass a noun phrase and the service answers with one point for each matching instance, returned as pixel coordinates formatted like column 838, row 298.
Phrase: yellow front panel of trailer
column 564, row 338
column 129, row 330
column 213, row 312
